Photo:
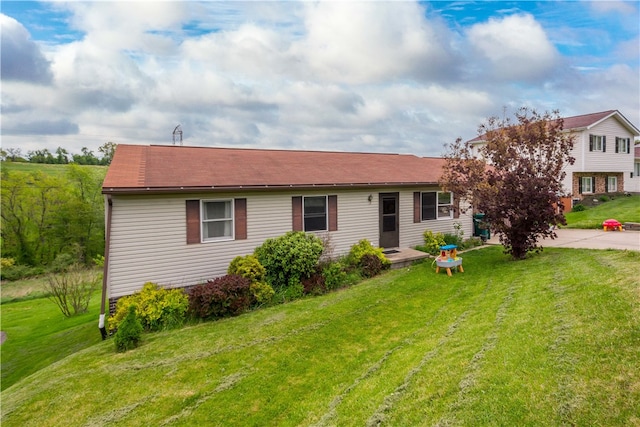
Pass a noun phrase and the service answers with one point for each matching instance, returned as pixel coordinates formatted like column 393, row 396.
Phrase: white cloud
column 515, row 48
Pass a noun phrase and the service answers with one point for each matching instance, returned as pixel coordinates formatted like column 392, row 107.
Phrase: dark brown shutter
column 416, row 206
column 193, row 221
column 333, row 213
column 604, row 144
column 628, row 145
column 579, row 185
column 593, row 184
column 296, row 208
column 240, row 220
column 456, row 206
column 616, row 144
column 590, row 142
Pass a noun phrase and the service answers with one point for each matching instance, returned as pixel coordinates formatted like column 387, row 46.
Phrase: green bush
column 129, row 332
column 362, row 248
column 20, row 271
column 262, row 292
column 156, row 307
column 432, row 242
column 334, row 276
column 290, row 258
column 578, row 208
column 289, row 293
column 247, row 266
column 224, row 296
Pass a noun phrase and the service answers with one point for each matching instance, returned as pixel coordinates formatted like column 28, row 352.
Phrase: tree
column 516, row 180
column 107, row 150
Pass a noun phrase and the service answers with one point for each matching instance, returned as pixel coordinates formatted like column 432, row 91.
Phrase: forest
column 50, row 213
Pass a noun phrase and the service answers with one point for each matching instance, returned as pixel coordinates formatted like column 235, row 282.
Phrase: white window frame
column 612, row 184
column 305, row 215
column 442, row 210
column 587, row 183
column 621, row 145
column 204, row 220
column 597, row 142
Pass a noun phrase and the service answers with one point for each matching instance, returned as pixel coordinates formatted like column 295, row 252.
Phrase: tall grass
column 551, row 340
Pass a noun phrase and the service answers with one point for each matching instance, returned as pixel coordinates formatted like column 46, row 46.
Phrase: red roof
column 584, row 121
column 140, row 168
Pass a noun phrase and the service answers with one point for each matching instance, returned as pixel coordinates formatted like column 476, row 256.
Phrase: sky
column 367, row 76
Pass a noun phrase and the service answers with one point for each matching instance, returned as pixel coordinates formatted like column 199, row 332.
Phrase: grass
column 624, row 209
column 39, row 335
column 551, row 340
column 49, row 169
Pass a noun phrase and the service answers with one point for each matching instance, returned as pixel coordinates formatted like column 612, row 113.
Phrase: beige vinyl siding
column 148, row 236
column 609, row 161
column 411, row 234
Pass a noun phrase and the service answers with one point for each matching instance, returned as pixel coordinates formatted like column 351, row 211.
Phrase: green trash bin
column 480, row 228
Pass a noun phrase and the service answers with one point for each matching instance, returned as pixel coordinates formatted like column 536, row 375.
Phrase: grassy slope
column 624, row 209
column 56, row 170
column 551, row 340
column 39, row 335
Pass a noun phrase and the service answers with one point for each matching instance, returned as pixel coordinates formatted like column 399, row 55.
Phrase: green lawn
column 551, row 340
column 624, row 209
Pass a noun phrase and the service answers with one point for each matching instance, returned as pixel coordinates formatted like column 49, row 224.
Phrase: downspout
column 107, row 244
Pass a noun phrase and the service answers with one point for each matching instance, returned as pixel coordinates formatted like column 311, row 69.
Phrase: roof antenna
column 177, row 134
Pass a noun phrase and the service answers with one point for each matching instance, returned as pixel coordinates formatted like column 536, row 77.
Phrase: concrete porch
column 403, row 257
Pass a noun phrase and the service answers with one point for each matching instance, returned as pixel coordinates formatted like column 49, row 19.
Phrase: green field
column 55, row 170
column 551, row 340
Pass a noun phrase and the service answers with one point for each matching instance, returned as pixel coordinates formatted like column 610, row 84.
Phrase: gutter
column 235, row 188
column 105, row 273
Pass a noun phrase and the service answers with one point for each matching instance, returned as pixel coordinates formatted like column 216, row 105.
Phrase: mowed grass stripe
column 514, row 341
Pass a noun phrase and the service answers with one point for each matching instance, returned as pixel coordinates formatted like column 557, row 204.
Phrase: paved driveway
column 590, row 239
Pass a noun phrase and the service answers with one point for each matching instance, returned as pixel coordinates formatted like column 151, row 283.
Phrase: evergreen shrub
column 129, row 331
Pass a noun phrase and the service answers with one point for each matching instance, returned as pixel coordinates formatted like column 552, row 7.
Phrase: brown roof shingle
column 138, row 168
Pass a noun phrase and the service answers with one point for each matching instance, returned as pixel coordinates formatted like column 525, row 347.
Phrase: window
column 586, row 184
column 623, row 145
column 217, row 220
column 437, row 205
column 636, row 169
column 597, row 143
column 612, row 184
column 315, row 213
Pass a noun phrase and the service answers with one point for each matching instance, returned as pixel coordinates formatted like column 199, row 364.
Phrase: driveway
column 589, row 239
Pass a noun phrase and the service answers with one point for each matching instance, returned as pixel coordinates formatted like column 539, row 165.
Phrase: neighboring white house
column 178, row 215
column 603, row 150
column 633, row 185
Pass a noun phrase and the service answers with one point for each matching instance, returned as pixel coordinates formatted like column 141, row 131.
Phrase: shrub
column 334, row 276
column 362, row 248
column 130, row 331
column 71, row 288
column 19, row 271
column 290, row 258
column 289, row 293
column 452, row 239
column 247, row 266
column 157, row 308
column 371, row 265
column 578, row 208
column 224, row 296
column 7, row 262
column 432, row 242
column 262, row 292
column 314, row 285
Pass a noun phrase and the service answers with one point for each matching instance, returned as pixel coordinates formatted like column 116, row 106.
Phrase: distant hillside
column 50, row 169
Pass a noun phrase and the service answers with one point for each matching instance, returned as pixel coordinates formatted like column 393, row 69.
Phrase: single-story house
column 178, row 215
column 603, row 152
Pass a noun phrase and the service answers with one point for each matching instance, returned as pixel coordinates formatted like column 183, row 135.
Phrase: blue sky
column 351, row 76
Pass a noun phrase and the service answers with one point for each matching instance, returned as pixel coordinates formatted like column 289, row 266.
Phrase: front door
column 389, row 224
